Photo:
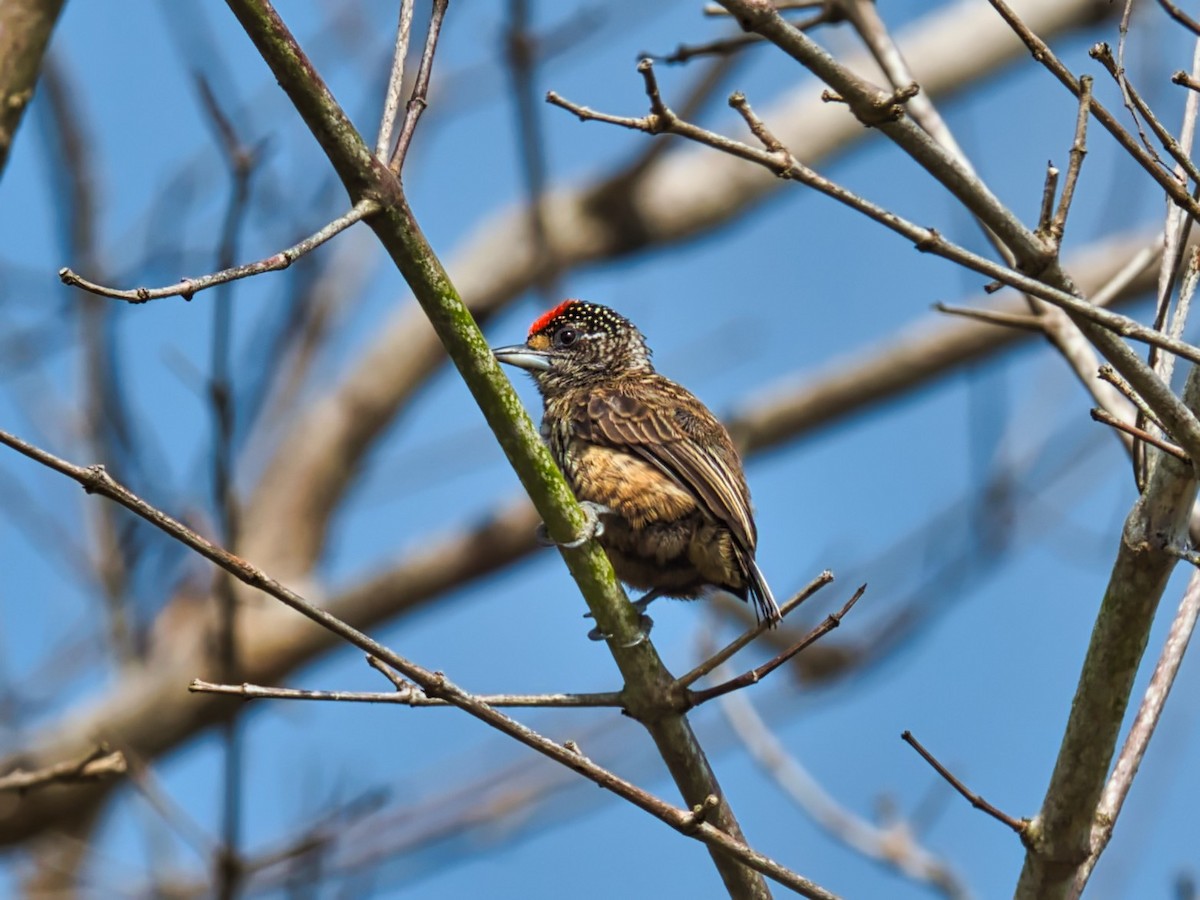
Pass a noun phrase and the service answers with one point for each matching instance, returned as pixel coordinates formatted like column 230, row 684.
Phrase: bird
column 655, row 470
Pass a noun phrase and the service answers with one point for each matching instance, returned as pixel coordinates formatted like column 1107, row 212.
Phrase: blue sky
column 985, row 681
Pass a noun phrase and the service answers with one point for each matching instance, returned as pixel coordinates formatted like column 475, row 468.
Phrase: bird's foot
column 645, row 623
column 640, row 603
column 593, row 527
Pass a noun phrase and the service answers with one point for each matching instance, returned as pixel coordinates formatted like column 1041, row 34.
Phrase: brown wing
column 689, row 446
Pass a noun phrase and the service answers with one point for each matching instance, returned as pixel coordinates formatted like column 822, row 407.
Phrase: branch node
column 699, row 814
column 931, row 241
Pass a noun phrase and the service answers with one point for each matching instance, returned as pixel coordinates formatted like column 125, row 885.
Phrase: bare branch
column 1020, row 826
column 1141, row 434
column 1180, row 16
column 391, row 102
column 755, row 675
column 734, row 646
column 1075, row 164
column 992, row 317
column 1042, row 53
column 188, row 287
column 418, row 100
column 411, row 695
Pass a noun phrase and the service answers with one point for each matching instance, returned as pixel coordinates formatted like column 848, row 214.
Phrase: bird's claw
column 593, row 527
column 645, row 623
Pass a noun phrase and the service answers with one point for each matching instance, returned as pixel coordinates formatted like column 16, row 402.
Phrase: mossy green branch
column 648, row 690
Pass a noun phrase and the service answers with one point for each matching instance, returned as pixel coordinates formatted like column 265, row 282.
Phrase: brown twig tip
column 1106, row 418
column 1020, row 826
column 657, row 107
column 757, row 127
column 992, row 317
column 399, row 682
column 1183, row 78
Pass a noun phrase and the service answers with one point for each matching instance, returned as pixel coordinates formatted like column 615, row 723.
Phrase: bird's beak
column 523, row 357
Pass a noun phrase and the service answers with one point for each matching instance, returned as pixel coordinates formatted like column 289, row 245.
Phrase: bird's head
column 577, row 344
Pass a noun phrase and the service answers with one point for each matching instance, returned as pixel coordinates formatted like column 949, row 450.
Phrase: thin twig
column 1109, row 374
column 827, row 15
column 1141, row 434
column 755, row 675
column 391, row 101
column 1042, row 53
column 1123, row 81
column 738, row 643
column 1018, row 825
column 1103, row 54
column 1180, row 16
column 1075, row 162
column 409, row 696
column 420, row 92
column 188, row 287
column 992, row 317
column 1049, row 191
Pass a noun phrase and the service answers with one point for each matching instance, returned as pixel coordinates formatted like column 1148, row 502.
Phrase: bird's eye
column 566, row 336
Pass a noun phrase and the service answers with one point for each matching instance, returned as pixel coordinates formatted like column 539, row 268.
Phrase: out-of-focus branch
column 894, row 846
column 105, row 418
column 521, row 57
column 97, row 764
column 25, row 27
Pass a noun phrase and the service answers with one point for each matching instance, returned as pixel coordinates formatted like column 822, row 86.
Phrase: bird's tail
column 765, row 606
